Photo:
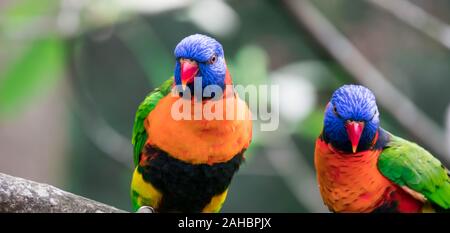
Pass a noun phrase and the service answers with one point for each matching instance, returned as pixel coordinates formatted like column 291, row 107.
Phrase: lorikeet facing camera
column 363, row 168
column 186, row 165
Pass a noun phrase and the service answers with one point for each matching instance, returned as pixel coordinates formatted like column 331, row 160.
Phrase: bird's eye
column 336, row 112
column 213, row 59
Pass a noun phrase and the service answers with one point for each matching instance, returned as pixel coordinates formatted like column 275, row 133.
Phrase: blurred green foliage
column 311, row 127
column 20, row 13
column 148, row 50
column 42, row 57
column 37, row 69
column 238, row 66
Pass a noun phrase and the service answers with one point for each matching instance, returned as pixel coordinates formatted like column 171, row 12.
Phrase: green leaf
column 35, row 71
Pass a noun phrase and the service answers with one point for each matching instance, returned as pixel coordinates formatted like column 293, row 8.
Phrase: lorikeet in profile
column 363, row 168
column 187, row 165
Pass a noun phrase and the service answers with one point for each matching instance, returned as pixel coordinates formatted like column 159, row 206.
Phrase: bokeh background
column 72, row 73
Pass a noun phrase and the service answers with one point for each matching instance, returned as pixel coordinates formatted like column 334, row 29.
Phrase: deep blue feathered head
column 351, row 119
column 200, row 56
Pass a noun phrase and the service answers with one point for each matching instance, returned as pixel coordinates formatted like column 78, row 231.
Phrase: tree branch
column 25, row 196
column 417, row 18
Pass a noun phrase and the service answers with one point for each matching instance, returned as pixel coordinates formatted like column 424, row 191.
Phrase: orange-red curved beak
column 189, row 69
column 354, row 131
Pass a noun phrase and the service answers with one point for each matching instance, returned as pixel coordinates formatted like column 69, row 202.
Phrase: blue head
column 200, row 56
column 351, row 119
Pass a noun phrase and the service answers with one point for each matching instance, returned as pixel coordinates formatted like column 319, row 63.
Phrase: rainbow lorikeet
column 186, row 165
column 363, row 168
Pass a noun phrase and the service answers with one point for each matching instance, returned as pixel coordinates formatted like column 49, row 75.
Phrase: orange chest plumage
column 203, row 140
column 353, row 183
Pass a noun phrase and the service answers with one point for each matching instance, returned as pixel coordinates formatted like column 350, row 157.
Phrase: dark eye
column 213, row 59
column 336, row 112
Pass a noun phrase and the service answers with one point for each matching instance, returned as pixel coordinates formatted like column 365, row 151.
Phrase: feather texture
column 408, row 164
column 139, row 134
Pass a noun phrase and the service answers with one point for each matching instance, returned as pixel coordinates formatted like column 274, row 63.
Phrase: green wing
column 407, row 164
column 149, row 103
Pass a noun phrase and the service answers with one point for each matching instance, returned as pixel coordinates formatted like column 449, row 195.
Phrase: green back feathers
column 139, row 135
column 407, row 164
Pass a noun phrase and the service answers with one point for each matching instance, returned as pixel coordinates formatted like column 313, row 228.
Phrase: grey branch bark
column 25, row 196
